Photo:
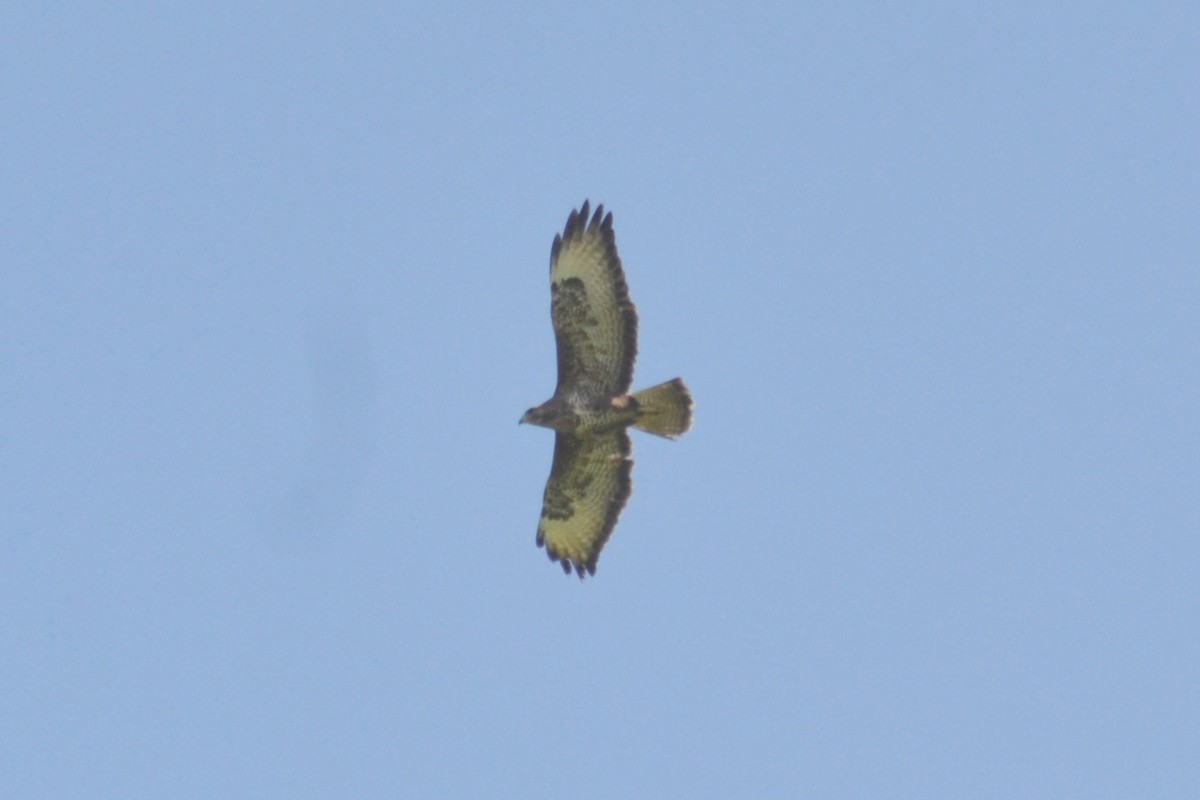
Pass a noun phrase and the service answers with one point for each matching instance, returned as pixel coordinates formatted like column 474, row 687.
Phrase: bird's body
column 595, row 329
column 585, row 416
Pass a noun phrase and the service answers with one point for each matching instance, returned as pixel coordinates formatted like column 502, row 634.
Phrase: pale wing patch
column 589, row 485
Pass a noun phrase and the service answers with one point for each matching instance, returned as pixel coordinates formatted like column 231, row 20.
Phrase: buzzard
column 595, row 329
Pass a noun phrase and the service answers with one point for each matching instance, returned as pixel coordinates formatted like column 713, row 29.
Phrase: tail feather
column 665, row 409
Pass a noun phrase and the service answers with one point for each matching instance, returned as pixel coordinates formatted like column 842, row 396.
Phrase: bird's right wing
column 589, row 485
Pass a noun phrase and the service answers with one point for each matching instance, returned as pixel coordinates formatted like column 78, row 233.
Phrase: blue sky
column 274, row 296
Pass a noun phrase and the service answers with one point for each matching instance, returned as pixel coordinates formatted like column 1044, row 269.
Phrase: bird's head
column 542, row 415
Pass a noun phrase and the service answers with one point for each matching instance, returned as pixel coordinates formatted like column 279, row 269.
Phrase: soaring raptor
column 595, row 328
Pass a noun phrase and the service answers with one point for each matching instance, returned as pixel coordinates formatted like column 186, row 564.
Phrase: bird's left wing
column 595, row 322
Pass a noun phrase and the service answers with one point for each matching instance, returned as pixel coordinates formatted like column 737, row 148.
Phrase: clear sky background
column 274, row 296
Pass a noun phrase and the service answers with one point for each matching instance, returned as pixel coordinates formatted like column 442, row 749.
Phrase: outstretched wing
column 588, row 486
column 595, row 322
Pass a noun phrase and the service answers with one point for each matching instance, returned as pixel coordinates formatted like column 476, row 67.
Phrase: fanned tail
column 665, row 409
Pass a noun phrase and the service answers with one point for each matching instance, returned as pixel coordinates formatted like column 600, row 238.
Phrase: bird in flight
column 595, row 330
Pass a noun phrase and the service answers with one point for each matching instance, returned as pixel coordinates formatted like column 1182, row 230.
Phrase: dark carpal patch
column 569, row 302
column 557, row 505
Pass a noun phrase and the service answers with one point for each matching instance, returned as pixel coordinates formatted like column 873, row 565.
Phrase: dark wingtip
column 556, row 247
column 568, row 565
column 577, row 222
column 580, row 220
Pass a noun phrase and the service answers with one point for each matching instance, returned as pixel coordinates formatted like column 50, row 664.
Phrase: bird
column 595, row 333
